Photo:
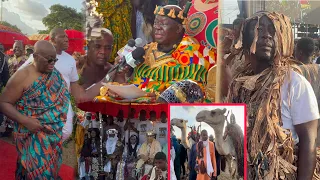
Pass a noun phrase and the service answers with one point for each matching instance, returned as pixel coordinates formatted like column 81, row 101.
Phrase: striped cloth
column 40, row 154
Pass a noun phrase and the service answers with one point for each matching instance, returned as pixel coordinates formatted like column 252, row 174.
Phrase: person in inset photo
column 282, row 107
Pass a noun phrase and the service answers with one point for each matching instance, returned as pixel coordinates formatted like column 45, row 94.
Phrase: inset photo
column 207, row 141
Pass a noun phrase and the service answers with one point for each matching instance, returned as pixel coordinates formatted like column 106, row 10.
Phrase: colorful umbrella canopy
column 8, row 36
column 37, row 37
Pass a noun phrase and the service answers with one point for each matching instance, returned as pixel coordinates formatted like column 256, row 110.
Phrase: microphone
column 131, row 60
column 139, row 42
column 129, row 47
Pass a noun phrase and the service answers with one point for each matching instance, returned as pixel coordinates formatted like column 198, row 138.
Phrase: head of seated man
column 168, row 31
column 150, row 137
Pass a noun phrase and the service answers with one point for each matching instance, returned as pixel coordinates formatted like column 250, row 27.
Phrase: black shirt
column 4, row 70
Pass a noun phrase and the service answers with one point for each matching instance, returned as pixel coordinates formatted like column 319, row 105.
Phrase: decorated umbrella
column 37, row 37
column 76, row 41
column 8, row 36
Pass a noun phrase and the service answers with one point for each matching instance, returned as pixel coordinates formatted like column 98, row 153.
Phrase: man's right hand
column 32, row 125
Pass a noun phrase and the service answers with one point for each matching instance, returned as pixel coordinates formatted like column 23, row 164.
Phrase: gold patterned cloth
column 189, row 61
column 15, row 62
column 117, row 18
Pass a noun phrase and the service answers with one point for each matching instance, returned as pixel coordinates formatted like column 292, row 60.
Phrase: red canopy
column 8, row 36
column 76, row 41
column 110, row 108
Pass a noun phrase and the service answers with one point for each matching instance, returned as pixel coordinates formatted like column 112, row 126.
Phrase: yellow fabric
column 79, row 139
column 117, row 18
column 14, row 63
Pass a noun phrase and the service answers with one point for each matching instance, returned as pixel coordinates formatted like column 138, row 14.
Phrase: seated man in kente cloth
column 37, row 99
column 282, row 107
column 174, row 57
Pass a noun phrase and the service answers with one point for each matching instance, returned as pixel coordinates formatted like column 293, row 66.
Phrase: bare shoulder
column 19, row 76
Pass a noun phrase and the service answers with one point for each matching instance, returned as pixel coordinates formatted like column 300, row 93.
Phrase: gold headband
column 179, row 16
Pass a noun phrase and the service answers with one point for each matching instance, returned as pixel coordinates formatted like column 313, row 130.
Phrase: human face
column 136, row 3
column 150, row 138
column 61, row 40
column 166, row 30
column 133, row 139
column 45, row 63
column 109, row 120
column 265, row 44
column 204, row 135
column 17, row 49
column 163, row 117
column 211, row 138
column 153, row 116
column 93, row 134
column 100, row 50
column 161, row 164
column 142, row 116
column 120, row 116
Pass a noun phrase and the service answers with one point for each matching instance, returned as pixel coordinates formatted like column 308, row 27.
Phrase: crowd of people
column 130, row 146
column 263, row 67
column 200, row 162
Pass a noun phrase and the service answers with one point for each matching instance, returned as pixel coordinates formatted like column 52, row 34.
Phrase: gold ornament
column 161, row 12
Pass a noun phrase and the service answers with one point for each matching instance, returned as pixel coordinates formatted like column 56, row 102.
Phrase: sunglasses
column 52, row 60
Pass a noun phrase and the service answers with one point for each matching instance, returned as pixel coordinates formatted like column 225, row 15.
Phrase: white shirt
column 66, row 65
column 298, row 103
column 161, row 130
column 143, row 128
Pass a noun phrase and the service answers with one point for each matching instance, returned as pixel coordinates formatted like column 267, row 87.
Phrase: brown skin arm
column 82, row 95
column 214, row 162
column 307, row 133
column 11, row 94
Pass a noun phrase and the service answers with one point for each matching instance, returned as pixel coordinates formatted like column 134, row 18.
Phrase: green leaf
column 64, row 17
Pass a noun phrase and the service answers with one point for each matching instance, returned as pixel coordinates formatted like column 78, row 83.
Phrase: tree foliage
column 43, row 31
column 5, row 23
column 64, row 17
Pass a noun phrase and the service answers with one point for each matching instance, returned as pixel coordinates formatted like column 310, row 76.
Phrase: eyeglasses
column 49, row 60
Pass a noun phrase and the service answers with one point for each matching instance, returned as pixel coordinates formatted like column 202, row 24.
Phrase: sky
column 229, row 10
column 27, row 14
column 190, row 112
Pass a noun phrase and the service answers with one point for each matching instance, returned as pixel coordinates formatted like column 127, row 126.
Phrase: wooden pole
column 219, row 59
column 1, row 10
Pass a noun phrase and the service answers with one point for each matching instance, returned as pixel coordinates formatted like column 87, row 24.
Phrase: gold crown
column 180, row 16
